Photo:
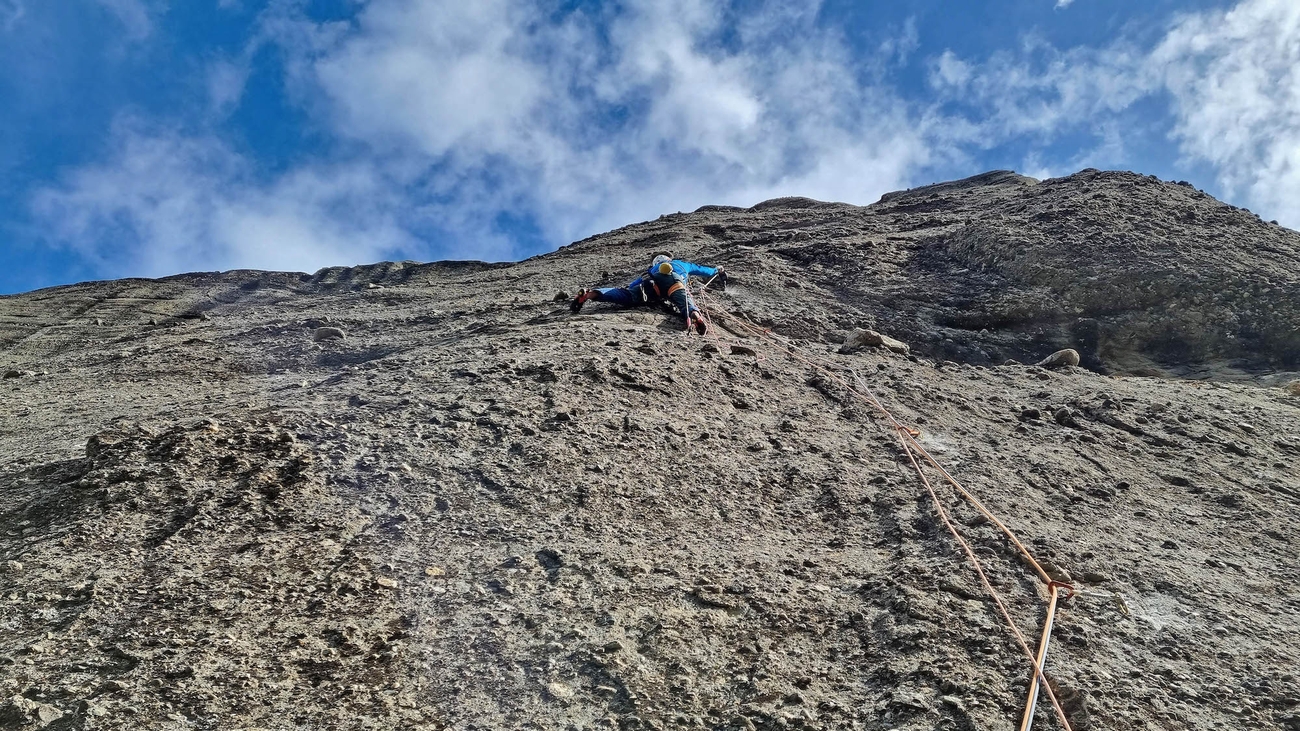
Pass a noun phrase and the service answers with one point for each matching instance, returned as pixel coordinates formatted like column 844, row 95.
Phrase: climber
column 663, row 283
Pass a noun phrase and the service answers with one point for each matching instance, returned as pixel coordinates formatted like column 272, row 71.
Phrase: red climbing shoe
column 701, row 326
column 576, row 305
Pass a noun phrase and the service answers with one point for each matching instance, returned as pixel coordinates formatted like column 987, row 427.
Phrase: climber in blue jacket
column 664, row 282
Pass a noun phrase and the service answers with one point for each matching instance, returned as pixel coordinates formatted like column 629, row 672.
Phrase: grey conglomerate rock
column 478, row 511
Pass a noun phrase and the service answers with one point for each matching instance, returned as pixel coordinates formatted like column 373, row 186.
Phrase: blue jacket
column 682, row 271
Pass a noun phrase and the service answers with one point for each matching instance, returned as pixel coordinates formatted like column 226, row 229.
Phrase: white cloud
column 1041, row 91
column 450, row 115
column 226, row 80
column 446, row 116
column 165, row 203
column 1231, row 79
column 1062, row 4
column 698, row 102
column 903, row 45
column 11, row 11
column 600, row 120
column 135, row 16
column 948, row 72
column 1235, row 80
column 434, row 76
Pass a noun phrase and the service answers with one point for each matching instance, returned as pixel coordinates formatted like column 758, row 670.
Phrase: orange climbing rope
column 908, row 440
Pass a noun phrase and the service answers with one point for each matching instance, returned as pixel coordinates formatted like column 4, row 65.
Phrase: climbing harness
column 659, row 294
column 1057, row 591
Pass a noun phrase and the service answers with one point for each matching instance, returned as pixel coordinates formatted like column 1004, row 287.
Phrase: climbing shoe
column 701, row 326
column 576, row 305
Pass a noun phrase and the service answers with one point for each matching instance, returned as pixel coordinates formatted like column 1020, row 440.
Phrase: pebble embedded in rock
column 1065, row 417
column 954, row 702
column 1055, row 572
column 48, row 714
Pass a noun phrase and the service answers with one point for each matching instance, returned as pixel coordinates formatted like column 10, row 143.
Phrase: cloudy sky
column 150, row 137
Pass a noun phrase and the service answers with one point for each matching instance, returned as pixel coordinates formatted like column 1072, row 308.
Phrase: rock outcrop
column 477, row 510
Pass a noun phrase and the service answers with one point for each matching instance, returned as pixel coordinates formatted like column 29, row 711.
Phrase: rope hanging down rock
column 912, row 448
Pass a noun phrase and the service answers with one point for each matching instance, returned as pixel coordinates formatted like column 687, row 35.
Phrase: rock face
column 1137, row 275
column 480, row 511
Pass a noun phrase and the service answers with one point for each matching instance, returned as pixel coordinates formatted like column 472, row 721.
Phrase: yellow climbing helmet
column 666, row 268
column 662, row 264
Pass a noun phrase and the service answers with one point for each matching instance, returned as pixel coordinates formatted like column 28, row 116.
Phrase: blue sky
column 147, row 137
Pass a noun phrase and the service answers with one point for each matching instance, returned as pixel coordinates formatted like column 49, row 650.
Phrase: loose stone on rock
column 322, row 334
column 1060, row 359
column 861, row 338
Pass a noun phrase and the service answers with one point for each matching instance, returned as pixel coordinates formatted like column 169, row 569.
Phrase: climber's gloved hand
column 720, row 281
